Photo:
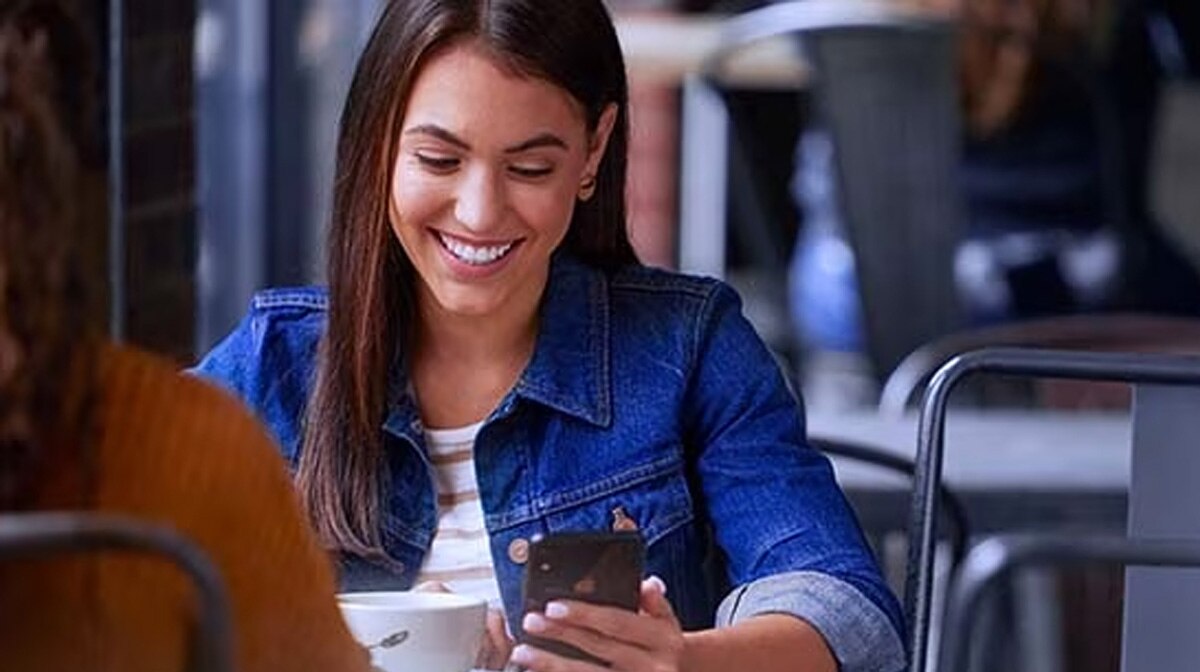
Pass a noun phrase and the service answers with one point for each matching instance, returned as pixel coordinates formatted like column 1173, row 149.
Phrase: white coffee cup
column 407, row 631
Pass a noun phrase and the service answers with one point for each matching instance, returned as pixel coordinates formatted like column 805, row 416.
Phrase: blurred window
column 271, row 77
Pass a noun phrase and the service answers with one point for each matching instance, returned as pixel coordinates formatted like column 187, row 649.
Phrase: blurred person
column 90, row 426
column 1059, row 100
column 491, row 362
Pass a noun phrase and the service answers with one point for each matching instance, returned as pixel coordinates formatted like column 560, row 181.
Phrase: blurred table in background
column 667, row 48
column 1012, row 470
column 1028, row 469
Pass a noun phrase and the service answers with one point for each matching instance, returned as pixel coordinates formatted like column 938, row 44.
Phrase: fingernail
column 534, row 622
column 659, row 583
column 522, row 655
column 556, row 610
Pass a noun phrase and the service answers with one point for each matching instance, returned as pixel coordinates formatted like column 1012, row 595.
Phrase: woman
column 89, row 426
column 491, row 363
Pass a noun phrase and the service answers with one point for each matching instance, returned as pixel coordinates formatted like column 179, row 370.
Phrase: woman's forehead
column 467, row 89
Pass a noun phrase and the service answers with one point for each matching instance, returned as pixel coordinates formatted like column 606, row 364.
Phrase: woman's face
column 489, row 168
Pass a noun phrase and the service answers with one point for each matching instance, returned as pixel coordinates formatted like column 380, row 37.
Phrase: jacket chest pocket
column 652, row 499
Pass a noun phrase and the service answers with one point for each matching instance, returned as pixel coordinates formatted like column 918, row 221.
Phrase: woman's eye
column 531, row 172
column 438, row 164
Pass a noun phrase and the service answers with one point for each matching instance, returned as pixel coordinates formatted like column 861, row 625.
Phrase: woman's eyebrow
column 440, row 133
column 536, row 142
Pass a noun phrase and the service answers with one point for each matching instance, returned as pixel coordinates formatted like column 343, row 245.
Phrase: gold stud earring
column 587, row 188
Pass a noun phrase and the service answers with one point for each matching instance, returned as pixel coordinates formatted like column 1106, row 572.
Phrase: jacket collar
column 569, row 370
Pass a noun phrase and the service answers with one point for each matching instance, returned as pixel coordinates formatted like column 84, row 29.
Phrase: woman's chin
column 469, row 304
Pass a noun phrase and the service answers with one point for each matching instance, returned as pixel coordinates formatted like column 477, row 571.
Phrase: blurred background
column 869, row 191
column 887, row 182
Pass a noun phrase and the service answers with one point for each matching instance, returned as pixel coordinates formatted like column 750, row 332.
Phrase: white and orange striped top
column 460, row 556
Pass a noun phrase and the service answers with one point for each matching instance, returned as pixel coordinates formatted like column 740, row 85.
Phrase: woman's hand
column 648, row 641
column 496, row 647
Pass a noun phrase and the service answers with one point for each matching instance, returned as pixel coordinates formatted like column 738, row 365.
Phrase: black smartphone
column 597, row 567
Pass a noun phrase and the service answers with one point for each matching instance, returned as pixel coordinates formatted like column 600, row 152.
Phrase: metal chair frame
column 26, row 535
column 956, row 512
column 1109, row 332
column 1168, row 370
column 994, row 560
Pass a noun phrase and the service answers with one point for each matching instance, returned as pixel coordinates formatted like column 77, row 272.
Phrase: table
column 1013, row 469
column 668, row 48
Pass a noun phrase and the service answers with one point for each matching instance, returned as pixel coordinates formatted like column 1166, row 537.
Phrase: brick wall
column 653, row 171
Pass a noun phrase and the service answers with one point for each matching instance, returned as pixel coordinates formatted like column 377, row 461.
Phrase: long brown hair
column 570, row 43
column 1006, row 42
column 47, row 307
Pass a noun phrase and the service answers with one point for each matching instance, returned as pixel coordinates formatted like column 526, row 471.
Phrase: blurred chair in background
column 1161, row 495
column 884, row 85
column 959, row 531
column 997, row 560
column 1058, row 101
column 1111, row 332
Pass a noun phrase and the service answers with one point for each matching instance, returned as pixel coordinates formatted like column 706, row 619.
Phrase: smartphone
column 597, row 567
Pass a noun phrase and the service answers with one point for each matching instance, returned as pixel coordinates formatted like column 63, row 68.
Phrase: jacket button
column 622, row 522
column 518, row 551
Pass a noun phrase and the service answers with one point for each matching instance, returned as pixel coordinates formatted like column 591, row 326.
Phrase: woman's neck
column 475, row 341
column 464, row 365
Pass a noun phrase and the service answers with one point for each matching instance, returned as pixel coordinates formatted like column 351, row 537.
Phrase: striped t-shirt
column 459, row 557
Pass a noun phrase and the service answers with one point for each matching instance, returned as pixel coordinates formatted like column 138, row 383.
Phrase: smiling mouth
column 475, row 255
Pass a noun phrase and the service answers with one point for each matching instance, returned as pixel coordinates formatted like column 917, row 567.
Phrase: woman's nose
column 481, row 201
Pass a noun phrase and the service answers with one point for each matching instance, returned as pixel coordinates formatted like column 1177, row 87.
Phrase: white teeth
column 476, row 256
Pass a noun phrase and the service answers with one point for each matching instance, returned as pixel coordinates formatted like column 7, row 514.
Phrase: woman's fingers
column 537, row 660
column 612, row 622
column 649, row 639
column 497, row 647
column 621, row 654
column 654, row 599
column 618, row 623
column 623, row 638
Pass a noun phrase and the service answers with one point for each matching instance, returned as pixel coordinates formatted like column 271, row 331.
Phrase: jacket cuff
column 857, row 631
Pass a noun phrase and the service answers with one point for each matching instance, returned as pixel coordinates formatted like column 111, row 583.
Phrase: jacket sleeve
column 791, row 542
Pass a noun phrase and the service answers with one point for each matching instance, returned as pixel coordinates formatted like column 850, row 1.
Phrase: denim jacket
column 648, row 397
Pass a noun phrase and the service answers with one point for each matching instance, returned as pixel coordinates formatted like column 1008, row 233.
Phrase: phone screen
column 600, row 568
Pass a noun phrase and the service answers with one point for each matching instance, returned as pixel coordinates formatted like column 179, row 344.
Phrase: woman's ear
column 599, row 140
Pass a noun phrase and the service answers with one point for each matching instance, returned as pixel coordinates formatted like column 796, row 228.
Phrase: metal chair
column 993, row 561
column 884, row 81
column 28, row 535
column 1161, row 492
column 1125, row 332
column 955, row 513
